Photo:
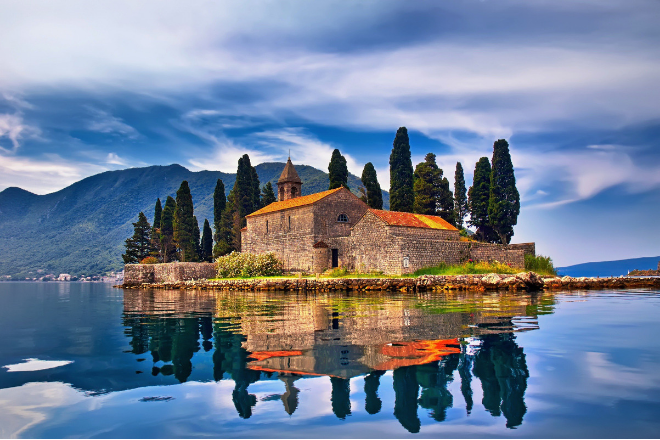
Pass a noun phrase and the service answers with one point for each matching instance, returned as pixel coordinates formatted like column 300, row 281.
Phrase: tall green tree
column 372, row 187
column 337, row 170
column 504, row 200
column 184, row 224
column 401, row 173
column 207, row 242
column 256, row 189
column 139, row 245
column 446, row 201
column 155, row 231
column 268, row 195
column 478, row 197
column 219, row 203
column 167, row 242
column 460, row 196
column 427, row 179
column 197, row 238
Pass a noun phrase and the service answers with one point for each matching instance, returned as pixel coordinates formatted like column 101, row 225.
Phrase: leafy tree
column 197, row 238
column 158, row 211
column 184, row 224
column 338, row 170
column 446, row 201
column 478, row 196
column 426, row 186
column 207, row 242
column 504, row 200
column 268, row 195
column 167, row 242
column 219, row 204
column 370, row 181
column 460, row 196
column 256, row 191
column 155, row 230
column 139, row 245
column 401, row 173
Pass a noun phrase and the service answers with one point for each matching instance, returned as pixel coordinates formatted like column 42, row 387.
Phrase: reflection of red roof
column 295, row 202
column 262, row 355
column 394, row 218
column 417, row 353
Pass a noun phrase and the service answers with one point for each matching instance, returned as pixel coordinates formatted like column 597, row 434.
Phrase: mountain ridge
column 81, row 229
column 611, row 268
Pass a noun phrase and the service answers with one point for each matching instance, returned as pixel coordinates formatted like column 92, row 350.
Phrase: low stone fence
column 526, row 281
column 137, row 274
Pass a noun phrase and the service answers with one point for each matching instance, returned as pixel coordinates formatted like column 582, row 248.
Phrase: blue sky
column 91, row 86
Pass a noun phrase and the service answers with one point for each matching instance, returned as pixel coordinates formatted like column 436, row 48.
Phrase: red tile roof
column 295, row 202
column 394, row 218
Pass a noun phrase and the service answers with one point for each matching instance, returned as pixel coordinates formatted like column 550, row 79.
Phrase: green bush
column 149, row 260
column 244, row 265
column 540, row 264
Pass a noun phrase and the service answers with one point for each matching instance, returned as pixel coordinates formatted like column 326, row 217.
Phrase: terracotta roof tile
column 394, row 218
column 294, row 203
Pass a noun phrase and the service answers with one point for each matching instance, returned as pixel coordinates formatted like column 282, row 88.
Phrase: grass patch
column 468, row 268
column 540, row 264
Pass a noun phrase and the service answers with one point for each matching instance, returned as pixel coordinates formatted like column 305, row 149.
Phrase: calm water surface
column 87, row 360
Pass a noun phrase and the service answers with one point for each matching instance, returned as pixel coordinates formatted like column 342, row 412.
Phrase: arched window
column 343, row 218
column 294, row 192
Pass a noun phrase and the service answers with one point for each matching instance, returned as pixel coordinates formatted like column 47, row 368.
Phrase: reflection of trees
column 372, row 403
column 340, row 397
column 405, row 398
column 434, row 378
column 501, row 367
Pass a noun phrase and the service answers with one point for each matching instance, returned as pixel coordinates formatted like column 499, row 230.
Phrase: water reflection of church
column 257, row 337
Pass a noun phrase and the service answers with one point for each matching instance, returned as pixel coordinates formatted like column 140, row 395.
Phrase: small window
column 289, row 222
column 294, row 192
column 266, row 226
column 406, row 262
column 343, row 218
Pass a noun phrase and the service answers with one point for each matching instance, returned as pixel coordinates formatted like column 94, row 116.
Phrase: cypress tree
column 478, row 196
column 337, row 170
column 184, row 227
column 139, row 245
column 446, row 201
column 196, row 240
column 426, row 187
column 373, row 192
column 504, row 200
column 167, row 242
column 401, row 173
column 256, row 191
column 155, row 230
column 207, row 242
column 460, row 196
column 268, row 195
column 219, row 203
column 158, row 211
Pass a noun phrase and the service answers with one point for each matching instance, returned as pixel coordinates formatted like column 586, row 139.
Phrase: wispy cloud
column 14, row 129
column 103, row 122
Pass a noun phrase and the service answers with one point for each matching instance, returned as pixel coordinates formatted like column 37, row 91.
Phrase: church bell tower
column 289, row 184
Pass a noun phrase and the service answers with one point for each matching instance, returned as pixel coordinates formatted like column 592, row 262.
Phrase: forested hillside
column 81, row 229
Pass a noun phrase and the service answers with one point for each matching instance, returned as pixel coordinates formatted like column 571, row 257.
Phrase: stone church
column 335, row 228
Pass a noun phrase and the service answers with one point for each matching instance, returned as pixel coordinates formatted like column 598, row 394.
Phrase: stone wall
column 487, row 252
column 135, row 274
column 374, row 247
column 528, row 248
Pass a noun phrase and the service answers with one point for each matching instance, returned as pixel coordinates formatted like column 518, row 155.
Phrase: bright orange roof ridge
column 295, row 202
column 394, row 218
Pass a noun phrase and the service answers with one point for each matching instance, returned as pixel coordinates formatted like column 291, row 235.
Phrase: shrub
column 149, row 260
column 245, row 265
column 540, row 264
column 467, row 268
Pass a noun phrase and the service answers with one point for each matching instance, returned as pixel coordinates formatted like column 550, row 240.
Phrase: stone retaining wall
column 137, row 274
column 526, row 281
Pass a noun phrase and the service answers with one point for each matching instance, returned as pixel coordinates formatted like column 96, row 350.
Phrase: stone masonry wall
column 327, row 210
column 488, row 252
column 528, row 248
column 374, row 247
column 167, row 272
column 289, row 235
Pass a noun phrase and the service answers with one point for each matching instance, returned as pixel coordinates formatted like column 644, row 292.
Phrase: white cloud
column 104, row 122
column 13, row 128
column 43, row 175
column 114, row 159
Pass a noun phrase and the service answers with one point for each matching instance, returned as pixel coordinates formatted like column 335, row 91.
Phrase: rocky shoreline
column 523, row 282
